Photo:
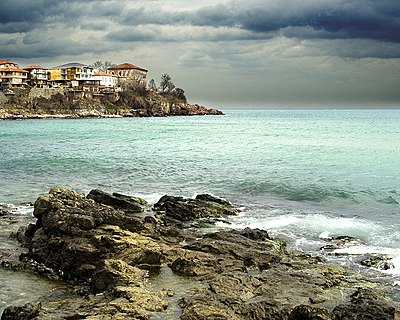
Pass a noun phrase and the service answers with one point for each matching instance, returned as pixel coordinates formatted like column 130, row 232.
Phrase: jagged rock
column 236, row 274
column 377, row 261
column 38, row 103
column 306, row 312
column 340, row 242
column 254, row 234
column 364, row 304
column 111, row 273
column 74, row 235
column 28, row 311
column 117, row 200
column 185, row 209
column 190, row 263
column 235, row 244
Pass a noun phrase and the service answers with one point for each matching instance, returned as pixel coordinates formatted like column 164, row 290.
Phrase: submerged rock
column 377, row 261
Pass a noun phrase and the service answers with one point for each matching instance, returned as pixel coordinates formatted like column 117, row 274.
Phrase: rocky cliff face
column 61, row 103
column 115, row 246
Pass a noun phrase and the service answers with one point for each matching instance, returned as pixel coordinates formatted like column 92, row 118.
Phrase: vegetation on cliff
column 133, row 100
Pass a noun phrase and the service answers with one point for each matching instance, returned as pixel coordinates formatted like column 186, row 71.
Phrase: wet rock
column 364, row 304
column 112, row 273
column 236, row 244
column 236, row 274
column 305, row 312
column 340, row 242
column 186, row 209
column 191, row 263
column 377, row 261
column 28, row 311
column 117, row 200
column 74, row 234
column 254, row 234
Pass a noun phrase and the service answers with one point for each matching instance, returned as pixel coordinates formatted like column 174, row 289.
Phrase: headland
column 44, row 103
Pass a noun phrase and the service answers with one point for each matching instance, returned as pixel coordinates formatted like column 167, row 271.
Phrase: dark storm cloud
column 332, row 19
column 368, row 20
column 26, row 15
column 379, row 20
column 137, row 21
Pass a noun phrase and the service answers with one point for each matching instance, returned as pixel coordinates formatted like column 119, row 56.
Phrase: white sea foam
column 18, row 209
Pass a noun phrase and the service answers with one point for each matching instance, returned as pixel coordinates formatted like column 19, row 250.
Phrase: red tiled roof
column 33, row 67
column 7, row 62
column 126, row 66
column 13, row 68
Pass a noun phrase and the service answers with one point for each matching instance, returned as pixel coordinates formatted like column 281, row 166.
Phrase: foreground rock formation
column 60, row 103
column 115, row 247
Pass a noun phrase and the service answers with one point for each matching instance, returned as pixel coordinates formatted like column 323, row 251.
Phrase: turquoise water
column 299, row 174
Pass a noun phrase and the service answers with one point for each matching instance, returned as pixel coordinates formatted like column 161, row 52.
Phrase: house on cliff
column 75, row 76
column 38, row 76
column 127, row 72
column 105, row 80
column 71, row 74
column 11, row 75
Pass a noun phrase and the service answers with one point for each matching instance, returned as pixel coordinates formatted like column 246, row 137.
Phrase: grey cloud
column 377, row 20
column 367, row 19
column 129, row 21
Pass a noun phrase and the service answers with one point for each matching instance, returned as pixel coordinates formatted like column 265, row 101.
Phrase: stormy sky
column 224, row 54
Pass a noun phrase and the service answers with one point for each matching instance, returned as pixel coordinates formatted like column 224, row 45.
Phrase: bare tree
column 166, row 83
column 102, row 66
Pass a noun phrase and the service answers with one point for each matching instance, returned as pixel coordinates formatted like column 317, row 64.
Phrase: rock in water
column 75, row 235
column 28, row 311
column 97, row 242
column 117, row 200
column 185, row 209
column 365, row 304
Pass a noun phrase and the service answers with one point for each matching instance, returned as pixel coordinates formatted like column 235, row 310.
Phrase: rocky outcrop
column 107, row 245
column 178, row 209
column 64, row 103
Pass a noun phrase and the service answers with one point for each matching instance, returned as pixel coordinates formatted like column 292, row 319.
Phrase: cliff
column 62, row 103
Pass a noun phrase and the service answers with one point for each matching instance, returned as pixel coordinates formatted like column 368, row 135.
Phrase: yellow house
column 55, row 74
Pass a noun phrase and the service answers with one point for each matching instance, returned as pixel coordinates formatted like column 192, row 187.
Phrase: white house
column 106, row 80
column 37, row 76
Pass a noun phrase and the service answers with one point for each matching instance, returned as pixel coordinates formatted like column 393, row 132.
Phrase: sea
column 305, row 176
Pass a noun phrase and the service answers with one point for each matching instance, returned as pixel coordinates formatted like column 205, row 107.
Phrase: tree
column 166, row 84
column 108, row 64
column 180, row 94
column 152, row 85
column 102, row 66
column 98, row 65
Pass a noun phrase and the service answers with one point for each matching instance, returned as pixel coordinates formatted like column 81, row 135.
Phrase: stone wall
column 44, row 93
column 3, row 97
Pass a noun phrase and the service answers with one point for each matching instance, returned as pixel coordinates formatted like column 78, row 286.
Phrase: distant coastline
column 40, row 103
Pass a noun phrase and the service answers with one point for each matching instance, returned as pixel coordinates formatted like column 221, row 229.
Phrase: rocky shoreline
column 129, row 260
column 37, row 103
